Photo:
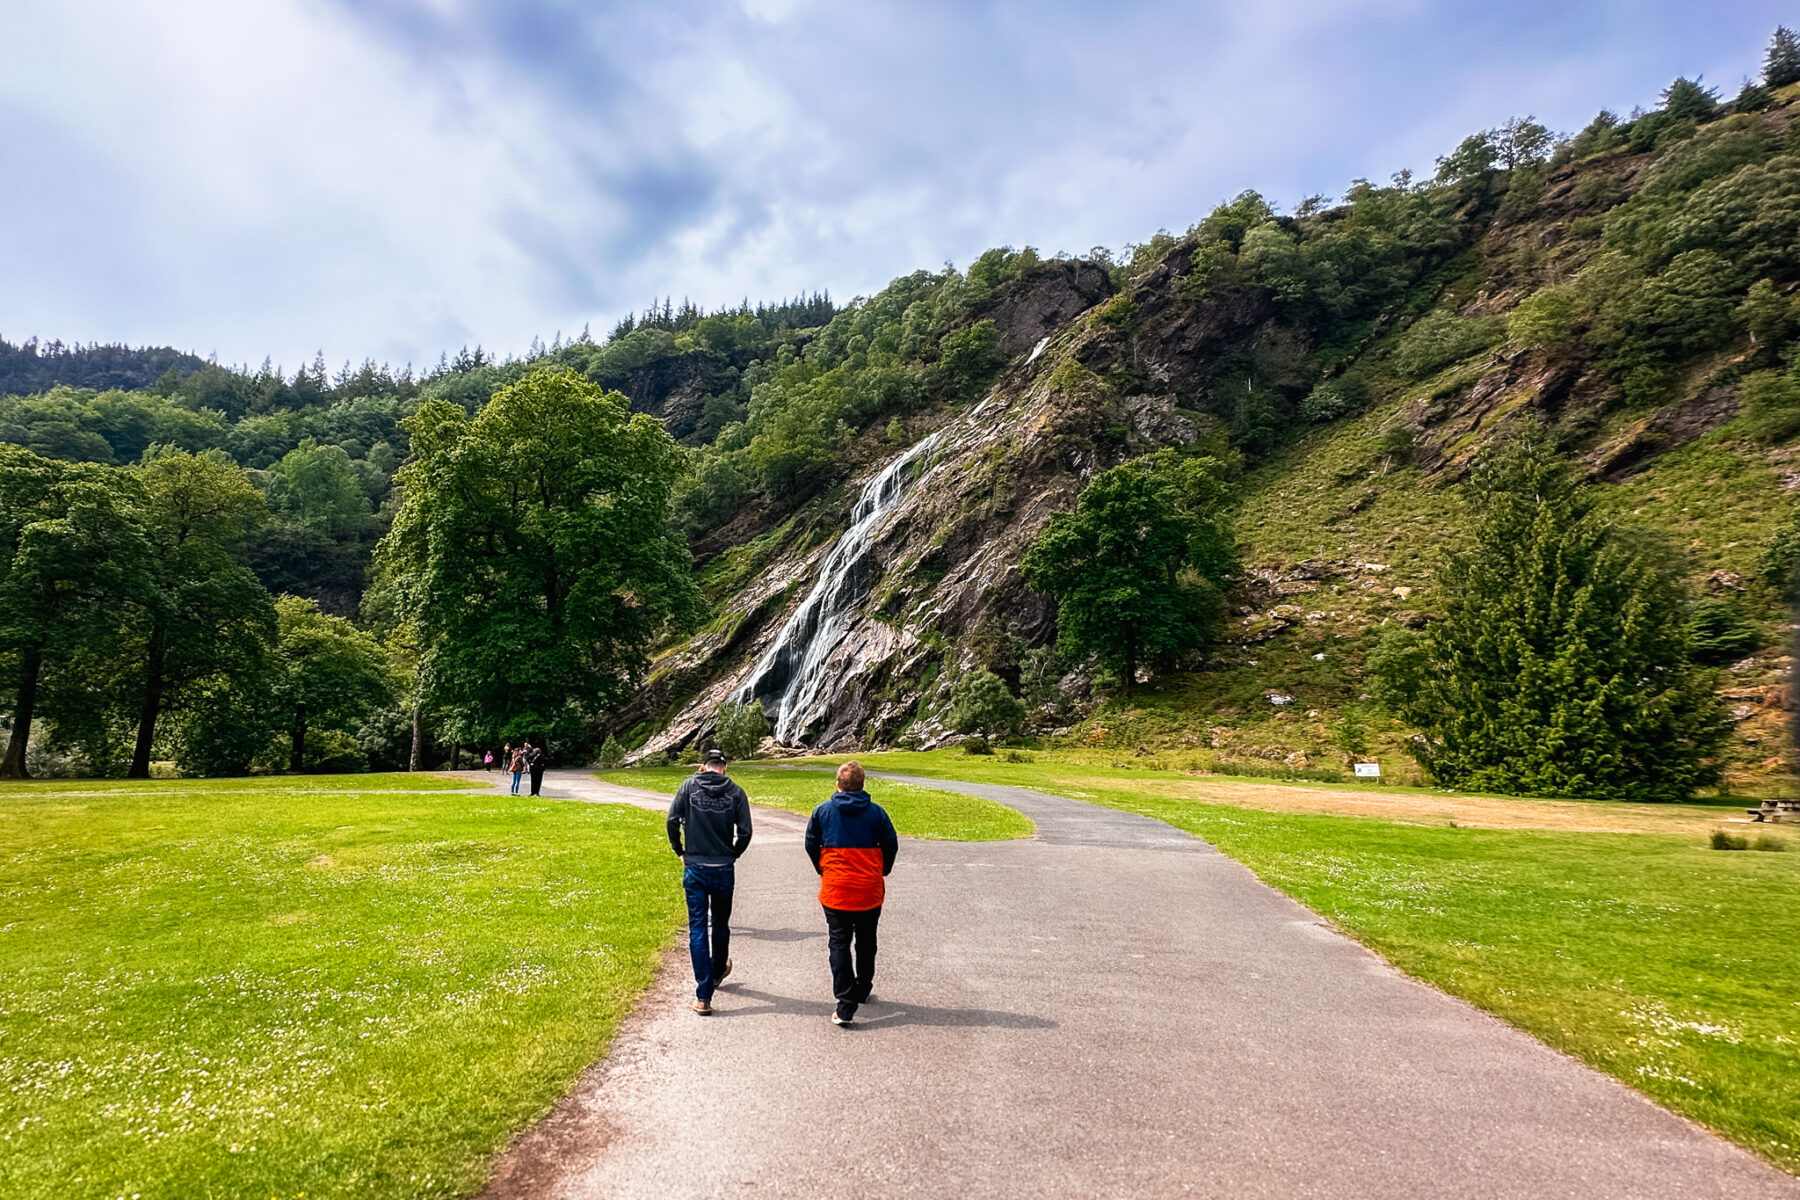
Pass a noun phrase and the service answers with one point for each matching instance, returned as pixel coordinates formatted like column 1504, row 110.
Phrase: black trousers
column 537, row 780
column 851, row 985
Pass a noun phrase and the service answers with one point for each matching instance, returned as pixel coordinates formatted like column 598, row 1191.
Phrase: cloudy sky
column 394, row 178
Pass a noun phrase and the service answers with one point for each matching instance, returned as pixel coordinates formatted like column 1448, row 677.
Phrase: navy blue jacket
column 852, row 845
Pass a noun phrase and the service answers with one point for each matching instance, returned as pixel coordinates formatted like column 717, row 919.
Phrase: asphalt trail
column 1111, row 1008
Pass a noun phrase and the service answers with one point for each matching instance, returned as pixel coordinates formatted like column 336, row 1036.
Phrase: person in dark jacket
column 537, row 759
column 714, row 815
column 852, row 845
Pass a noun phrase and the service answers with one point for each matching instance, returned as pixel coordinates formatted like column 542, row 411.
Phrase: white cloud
column 398, row 177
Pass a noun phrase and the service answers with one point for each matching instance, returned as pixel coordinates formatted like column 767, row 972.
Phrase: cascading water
column 791, row 675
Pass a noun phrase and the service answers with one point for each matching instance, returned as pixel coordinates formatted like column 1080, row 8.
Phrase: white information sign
column 1368, row 770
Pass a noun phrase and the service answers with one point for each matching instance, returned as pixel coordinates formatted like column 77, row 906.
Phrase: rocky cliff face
column 943, row 557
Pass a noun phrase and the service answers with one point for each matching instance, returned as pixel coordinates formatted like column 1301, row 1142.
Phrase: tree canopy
column 73, row 551
column 533, row 554
column 204, row 614
column 1137, row 570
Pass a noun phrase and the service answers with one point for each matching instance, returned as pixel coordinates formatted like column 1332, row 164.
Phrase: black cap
column 713, row 758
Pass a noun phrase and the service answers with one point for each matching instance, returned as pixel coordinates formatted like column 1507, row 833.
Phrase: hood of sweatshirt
column 852, row 801
column 712, row 781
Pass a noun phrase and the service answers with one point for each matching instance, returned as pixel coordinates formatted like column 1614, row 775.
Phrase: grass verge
column 1670, row 966
column 277, row 987
column 918, row 812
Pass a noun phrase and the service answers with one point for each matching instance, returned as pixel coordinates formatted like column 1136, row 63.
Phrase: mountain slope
column 1356, row 359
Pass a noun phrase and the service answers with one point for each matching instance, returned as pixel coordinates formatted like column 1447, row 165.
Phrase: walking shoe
column 726, row 973
column 840, row 1021
column 703, row 1008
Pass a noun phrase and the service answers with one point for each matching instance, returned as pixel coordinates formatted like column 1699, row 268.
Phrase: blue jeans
column 516, row 775
column 708, row 887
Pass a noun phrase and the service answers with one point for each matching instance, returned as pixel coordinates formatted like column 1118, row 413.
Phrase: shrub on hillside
column 741, row 729
column 1771, row 406
column 1779, row 562
column 1335, row 398
column 1440, row 338
column 980, row 703
column 971, row 358
column 1544, row 318
column 1719, row 632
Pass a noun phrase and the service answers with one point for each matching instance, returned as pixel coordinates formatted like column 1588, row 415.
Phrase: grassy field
column 325, row 987
column 917, row 811
column 1670, row 966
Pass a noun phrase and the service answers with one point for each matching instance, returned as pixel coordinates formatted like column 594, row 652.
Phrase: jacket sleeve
column 677, row 815
column 741, row 818
column 814, row 841
column 890, row 843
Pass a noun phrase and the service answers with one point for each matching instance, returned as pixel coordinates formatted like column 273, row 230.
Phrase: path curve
column 1110, row 1008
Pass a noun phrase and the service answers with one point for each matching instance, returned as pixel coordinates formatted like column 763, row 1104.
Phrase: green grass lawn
column 356, row 986
column 1670, row 966
column 918, row 812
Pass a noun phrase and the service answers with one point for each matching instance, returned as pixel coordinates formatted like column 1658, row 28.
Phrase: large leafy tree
column 1561, row 667
column 207, row 614
column 72, row 551
column 534, row 555
column 1137, row 569
column 316, row 486
column 328, row 675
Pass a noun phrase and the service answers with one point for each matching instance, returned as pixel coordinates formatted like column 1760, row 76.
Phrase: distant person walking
column 487, row 761
column 537, row 758
column 517, row 767
column 709, row 827
column 852, row 845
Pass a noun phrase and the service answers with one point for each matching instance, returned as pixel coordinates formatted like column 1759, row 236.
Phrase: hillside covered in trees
column 1631, row 287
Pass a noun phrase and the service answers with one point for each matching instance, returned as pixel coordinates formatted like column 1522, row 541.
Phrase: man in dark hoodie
column 852, row 845
column 714, row 814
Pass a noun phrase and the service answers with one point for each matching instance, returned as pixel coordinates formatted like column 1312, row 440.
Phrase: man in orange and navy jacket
column 852, row 845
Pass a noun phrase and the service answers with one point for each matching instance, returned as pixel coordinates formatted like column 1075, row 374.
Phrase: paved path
column 1109, row 1009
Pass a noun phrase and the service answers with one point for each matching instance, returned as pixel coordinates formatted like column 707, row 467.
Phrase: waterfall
column 792, row 673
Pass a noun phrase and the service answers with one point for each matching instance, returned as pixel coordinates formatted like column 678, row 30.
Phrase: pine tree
column 1689, row 99
column 1562, row 666
column 1781, row 65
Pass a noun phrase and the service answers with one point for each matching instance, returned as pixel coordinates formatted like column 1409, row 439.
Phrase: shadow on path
column 775, row 935
column 879, row 1012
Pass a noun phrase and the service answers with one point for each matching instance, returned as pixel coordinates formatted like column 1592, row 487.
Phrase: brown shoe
column 726, row 973
column 703, row 1008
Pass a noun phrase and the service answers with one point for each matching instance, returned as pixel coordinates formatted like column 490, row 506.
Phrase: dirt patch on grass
column 1476, row 812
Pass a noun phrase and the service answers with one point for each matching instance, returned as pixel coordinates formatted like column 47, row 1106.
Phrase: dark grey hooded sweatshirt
column 711, row 810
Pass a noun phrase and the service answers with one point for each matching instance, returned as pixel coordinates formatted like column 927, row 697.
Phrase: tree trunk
column 455, row 750
column 152, row 708
column 31, row 664
column 418, row 745
column 297, row 759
